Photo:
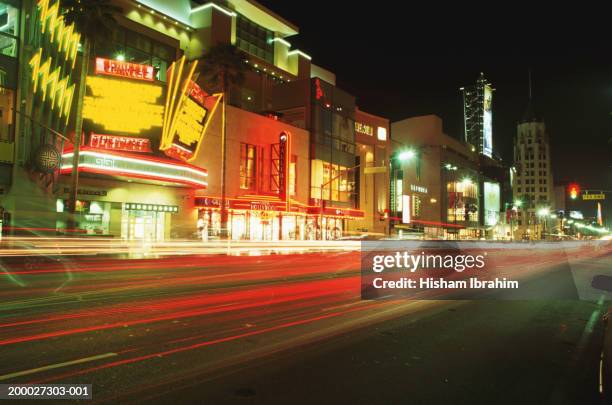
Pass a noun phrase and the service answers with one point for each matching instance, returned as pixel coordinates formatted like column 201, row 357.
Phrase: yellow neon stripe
column 171, row 111
column 182, row 96
column 164, row 141
column 210, row 117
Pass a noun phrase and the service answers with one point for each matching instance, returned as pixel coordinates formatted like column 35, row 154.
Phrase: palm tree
column 223, row 67
column 94, row 20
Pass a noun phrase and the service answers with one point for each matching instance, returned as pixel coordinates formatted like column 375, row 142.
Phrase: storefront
column 272, row 219
column 129, row 195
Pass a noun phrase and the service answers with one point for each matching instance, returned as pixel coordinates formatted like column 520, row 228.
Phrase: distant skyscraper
column 533, row 180
column 478, row 115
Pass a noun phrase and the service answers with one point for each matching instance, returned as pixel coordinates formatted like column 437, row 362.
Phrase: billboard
column 187, row 115
column 487, row 116
column 491, row 203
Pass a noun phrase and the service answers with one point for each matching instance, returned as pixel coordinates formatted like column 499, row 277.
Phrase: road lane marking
column 57, row 365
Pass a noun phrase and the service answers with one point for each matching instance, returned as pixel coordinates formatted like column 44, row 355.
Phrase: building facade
column 440, row 187
column 532, row 184
column 151, row 154
column 478, row 116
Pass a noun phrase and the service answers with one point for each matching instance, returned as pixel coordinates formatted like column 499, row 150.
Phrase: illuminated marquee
column 114, row 142
column 124, row 69
column 188, row 113
column 122, row 105
column 149, row 168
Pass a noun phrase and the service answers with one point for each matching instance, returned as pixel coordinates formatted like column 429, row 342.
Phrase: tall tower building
column 478, row 115
column 532, row 183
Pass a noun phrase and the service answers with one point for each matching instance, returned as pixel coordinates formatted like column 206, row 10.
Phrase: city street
column 291, row 328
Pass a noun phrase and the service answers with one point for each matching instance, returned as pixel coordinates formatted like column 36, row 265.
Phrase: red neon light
column 82, row 169
column 124, row 69
column 69, row 149
column 123, row 143
column 318, row 92
column 264, row 204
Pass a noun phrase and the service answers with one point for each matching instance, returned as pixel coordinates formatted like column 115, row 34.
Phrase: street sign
column 599, row 196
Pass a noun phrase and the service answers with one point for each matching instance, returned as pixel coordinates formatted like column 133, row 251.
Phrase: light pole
column 402, row 156
column 543, row 213
column 515, row 206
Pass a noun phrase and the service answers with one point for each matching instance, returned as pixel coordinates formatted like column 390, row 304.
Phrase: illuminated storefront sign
column 122, row 143
column 487, row 129
column 491, row 203
column 148, row 168
column 381, row 133
column 150, row 207
column 122, row 105
column 418, row 189
column 188, row 113
column 364, row 128
column 406, row 210
column 124, row 69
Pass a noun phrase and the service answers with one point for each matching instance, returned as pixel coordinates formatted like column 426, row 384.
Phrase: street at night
column 280, row 328
column 323, row 202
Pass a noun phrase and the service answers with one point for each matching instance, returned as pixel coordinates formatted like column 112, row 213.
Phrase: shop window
column 6, row 114
column 248, row 154
column 336, row 178
column 9, row 28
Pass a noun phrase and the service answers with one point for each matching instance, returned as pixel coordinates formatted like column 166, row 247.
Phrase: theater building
column 149, row 158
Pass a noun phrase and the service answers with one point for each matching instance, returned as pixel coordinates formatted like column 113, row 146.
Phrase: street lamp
column 406, row 155
column 543, row 213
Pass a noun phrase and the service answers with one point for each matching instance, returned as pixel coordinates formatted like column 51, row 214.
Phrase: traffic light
column 573, row 190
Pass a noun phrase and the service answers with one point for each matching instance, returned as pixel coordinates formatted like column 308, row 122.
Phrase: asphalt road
column 293, row 329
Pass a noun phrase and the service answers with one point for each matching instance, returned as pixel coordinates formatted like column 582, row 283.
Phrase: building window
column 248, row 154
column 254, row 39
column 7, row 102
column 336, row 179
column 9, row 29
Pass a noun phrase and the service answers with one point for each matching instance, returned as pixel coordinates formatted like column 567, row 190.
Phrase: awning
column 136, row 166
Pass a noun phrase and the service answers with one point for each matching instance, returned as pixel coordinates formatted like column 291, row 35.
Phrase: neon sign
column 124, row 143
column 187, row 118
column 122, row 105
column 60, row 91
column 364, row 128
column 64, row 36
column 148, row 168
column 124, row 69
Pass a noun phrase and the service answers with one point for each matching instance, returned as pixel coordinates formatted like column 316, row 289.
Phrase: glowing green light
column 406, row 155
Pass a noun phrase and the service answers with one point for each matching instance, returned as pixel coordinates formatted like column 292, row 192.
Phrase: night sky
column 406, row 63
